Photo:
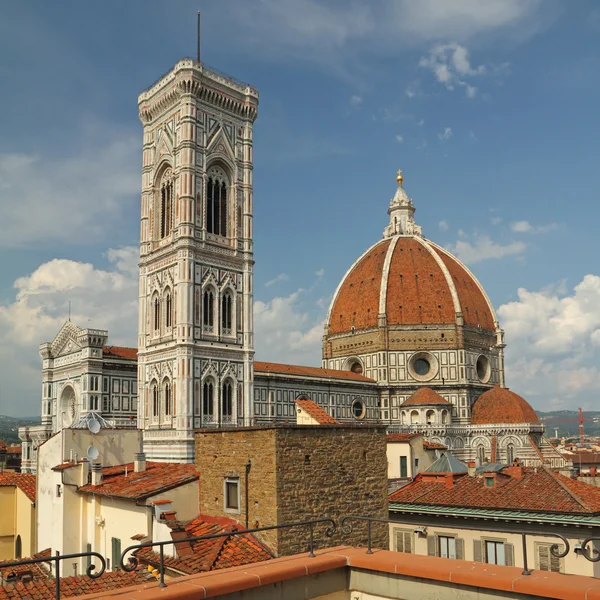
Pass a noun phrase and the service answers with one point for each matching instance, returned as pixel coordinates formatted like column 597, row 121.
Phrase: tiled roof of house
column 500, row 405
column 433, row 446
column 300, row 371
column 45, row 589
column 402, row 437
column 16, row 449
column 584, row 458
column 425, row 396
column 316, row 412
column 119, row 352
column 121, row 481
column 407, row 274
column 533, row 490
column 209, row 555
column 24, row 481
column 37, row 570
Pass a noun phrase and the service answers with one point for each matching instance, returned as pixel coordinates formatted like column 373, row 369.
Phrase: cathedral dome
column 500, row 405
column 425, row 397
column 405, row 279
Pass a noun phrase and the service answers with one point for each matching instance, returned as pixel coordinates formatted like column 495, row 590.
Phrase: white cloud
column 446, row 134
column 69, row 198
column 553, row 343
column 451, row 66
column 356, row 101
column 102, row 298
column 496, row 220
column 320, row 273
column 484, row 248
column 399, row 138
column 527, row 227
column 277, row 279
column 443, row 226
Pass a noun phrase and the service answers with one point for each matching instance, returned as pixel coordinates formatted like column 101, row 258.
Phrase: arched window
column 208, row 309
column 430, row 417
column 166, row 204
column 168, row 399
column 414, row 417
column 197, row 399
column 155, row 405
column 156, row 313
column 445, row 417
column 481, row 454
column 216, row 202
column 226, row 307
column 208, row 407
column 356, row 368
column 510, row 454
column 168, row 310
column 18, row 548
column 227, row 401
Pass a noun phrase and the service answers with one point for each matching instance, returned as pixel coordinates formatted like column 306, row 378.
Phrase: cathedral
column 411, row 338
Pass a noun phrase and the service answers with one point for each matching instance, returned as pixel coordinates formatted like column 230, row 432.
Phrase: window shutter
column 544, row 558
column 477, row 551
column 431, row 545
column 509, row 555
column 554, row 560
column 399, row 541
column 460, row 548
column 408, row 542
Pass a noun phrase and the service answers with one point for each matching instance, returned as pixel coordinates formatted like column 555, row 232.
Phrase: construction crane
column 581, row 420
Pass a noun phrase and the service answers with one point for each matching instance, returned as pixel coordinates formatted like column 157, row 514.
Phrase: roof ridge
column 573, row 494
column 219, row 545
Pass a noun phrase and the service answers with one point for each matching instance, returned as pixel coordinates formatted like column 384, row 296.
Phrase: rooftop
column 24, row 481
column 123, row 482
column 402, row 437
column 425, row 397
column 119, row 352
column 315, row 411
column 266, row 368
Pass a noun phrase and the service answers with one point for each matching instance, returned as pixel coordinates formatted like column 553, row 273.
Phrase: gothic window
column 168, row 399
column 510, row 454
column 197, row 399
column 166, row 204
column 226, row 309
column 481, row 454
column 155, row 406
column 227, row 401
column 168, row 310
column 156, row 313
column 208, row 308
column 216, row 202
column 93, row 403
column 208, row 400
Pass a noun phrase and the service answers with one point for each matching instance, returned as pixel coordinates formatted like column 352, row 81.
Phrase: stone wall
column 298, row 473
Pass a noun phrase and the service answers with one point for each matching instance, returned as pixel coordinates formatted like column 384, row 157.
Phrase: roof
column 402, row 437
column 537, row 490
column 24, row 481
column 415, row 281
column 316, row 412
column 209, row 555
column 123, row 482
column 500, row 405
column 425, row 396
column 16, row 449
column 119, row 352
column 277, row 368
column 37, row 570
column 587, row 458
column 45, row 589
column 433, row 446
column 447, row 463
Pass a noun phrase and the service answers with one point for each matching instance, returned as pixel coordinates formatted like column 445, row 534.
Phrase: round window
column 358, row 409
column 356, row 368
column 421, row 366
column 483, row 368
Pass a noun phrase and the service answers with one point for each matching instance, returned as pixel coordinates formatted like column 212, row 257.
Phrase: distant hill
column 567, row 422
column 9, row 427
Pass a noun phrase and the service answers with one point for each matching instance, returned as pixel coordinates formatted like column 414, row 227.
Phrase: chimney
column 449, row 480
column 515, row 471
column 139, row 462
column 472, row 466
column 96, row 473
column 84, row 471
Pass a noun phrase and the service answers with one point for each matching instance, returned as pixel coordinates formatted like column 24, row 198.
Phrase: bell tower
column 195, row 346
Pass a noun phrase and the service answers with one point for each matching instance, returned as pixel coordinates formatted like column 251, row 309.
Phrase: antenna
column 198, row 36
column 69, row 310
column 93, row 425
column 92, row 453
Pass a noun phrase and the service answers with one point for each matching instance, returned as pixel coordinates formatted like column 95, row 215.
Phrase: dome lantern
column 401, row 213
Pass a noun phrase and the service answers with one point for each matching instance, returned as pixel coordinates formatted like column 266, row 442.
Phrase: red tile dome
column 413, row 282
column 425, row 397
column 500, row 405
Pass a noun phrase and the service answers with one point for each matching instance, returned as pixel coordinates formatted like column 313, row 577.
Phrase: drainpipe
column 248, row 467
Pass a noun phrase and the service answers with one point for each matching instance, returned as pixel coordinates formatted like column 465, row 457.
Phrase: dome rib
column 386, row 274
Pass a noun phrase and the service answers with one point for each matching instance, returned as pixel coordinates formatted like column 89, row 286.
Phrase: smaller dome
column 500, row 405
column 425, row 396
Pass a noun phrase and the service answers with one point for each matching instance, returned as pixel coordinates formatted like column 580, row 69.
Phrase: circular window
column 358, row 409
column 422, row 366
column 483, row 369
column 356, row 368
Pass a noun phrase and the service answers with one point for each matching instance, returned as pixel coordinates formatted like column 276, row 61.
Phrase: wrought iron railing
column 133, row 562
column 346, row 529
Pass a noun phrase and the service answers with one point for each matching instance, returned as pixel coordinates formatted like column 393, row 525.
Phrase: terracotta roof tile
column 402, row 437
column 13, row 449
column 316, row 412
column 500, row 405
column 37, row 570
column 267, row 367
column 123, row 482
column 119, row 352
column 209, row 555
column 536, row 490
column 24, row 481
column 425, row 396
column 433, row 446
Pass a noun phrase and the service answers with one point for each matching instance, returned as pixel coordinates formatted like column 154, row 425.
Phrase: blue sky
column 490, row 108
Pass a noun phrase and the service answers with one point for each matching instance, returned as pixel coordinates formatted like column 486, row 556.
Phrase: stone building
column 282, row 474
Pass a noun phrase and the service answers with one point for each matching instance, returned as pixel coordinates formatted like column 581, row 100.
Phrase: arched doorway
column 66, row 414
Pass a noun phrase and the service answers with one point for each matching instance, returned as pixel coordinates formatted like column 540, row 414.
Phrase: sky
column 490, row 107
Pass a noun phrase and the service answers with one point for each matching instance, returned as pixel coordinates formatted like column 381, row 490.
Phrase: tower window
column 168, row 311
column 154, row 400
column 156, row 315
column 216, row 203
column 227, row 400
column 168, row 400
column 226, row 302
column 207, row 400
column 208, row 306
column 166, row 204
